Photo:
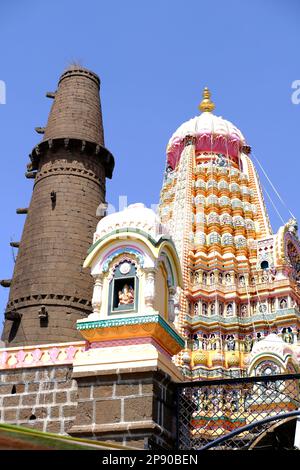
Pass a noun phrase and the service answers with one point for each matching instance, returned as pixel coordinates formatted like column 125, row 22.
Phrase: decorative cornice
column 128, row 230
column 90, row 148
column 41, row 355
column 130, row 321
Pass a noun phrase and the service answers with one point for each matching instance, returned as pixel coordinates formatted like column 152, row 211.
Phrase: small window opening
column 264, row 265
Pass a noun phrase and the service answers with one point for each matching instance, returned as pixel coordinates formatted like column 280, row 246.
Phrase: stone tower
column 50, row 290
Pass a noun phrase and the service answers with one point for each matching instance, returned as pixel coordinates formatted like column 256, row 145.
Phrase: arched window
column 212, row 199
column 223, row 184
column 214, row 237
column 213, row 218
column 283, row 303
column 123, row 288
column 212, row 184
column 238, row 221
column 236, row 203
column 234, row 188
column 224, row 201
column 200, row 238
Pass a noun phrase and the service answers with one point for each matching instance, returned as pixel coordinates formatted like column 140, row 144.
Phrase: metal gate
column 232, row 413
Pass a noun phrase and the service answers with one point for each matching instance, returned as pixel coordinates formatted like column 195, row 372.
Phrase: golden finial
column 206, row 105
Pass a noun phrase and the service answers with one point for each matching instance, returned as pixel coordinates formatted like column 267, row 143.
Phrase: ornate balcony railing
column 214, row 409
column 268, row 316
column 242, row 289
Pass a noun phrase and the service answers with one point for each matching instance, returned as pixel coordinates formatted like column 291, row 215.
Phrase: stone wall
column 43, row 398
column 129, row 408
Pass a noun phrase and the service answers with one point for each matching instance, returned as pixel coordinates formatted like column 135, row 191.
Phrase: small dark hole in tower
column 32, row 417
column 13, row 390
column 264, row 265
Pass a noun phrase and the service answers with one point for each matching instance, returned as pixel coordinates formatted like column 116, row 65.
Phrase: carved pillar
column 97, row 296
column 171, row 304
column 177, row 308
column 149, row 289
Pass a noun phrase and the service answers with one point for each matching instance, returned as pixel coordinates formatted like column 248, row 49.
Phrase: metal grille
column 209, row 410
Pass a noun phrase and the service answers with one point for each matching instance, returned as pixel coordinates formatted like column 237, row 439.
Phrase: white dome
column 207, row 123
column 134, row 216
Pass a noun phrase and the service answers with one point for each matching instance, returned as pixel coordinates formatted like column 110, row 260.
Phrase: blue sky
column 153, row 57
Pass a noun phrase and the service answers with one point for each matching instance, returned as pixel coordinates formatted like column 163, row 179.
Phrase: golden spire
column 206, row 105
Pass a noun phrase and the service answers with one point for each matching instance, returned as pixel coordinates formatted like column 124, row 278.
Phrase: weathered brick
column 53, row 426
column 30, row 399
column 108, row 411
column 25, row 413
column 34, row 387
column 147, row 388
column 138, row 409
column 67, row 424
column 38, row 425
column 60, row 397
column 84, row 413
column 13, row 377
column 54, row 411
column 13, row 400
column 84, row 392
column 41, row 412
column 73, row 395
column 46, row 398
column 64, row 385
column 20, row 388
column 61, row 374
column 10, row 414
column 69, row 411
column 5, row 389
column 102, row 391
column 127, row 389
column 29, row 376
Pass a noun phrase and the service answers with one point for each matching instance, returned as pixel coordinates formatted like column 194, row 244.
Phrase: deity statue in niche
column 229, row 310
column 283, row 303
column 244, row 310
column 248, row 343
column 230, row 341
column 126, row 295
column 287, row 335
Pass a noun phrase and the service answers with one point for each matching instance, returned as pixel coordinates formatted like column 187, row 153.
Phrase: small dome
column 207, row 123
column 209, row 133
column 135, row 216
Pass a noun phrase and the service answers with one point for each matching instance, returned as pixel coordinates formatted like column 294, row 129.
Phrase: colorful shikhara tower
column 240, row 279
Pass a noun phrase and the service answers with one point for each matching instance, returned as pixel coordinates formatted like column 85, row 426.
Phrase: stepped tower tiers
column 50, row 290
column 240, row 279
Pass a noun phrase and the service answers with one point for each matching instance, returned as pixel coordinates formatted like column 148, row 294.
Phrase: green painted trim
column 55, row 441
column 138, row 320
column 135, row 230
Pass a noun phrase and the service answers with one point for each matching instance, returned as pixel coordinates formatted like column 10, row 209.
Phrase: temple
column 240, row 279
column 116, row 325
